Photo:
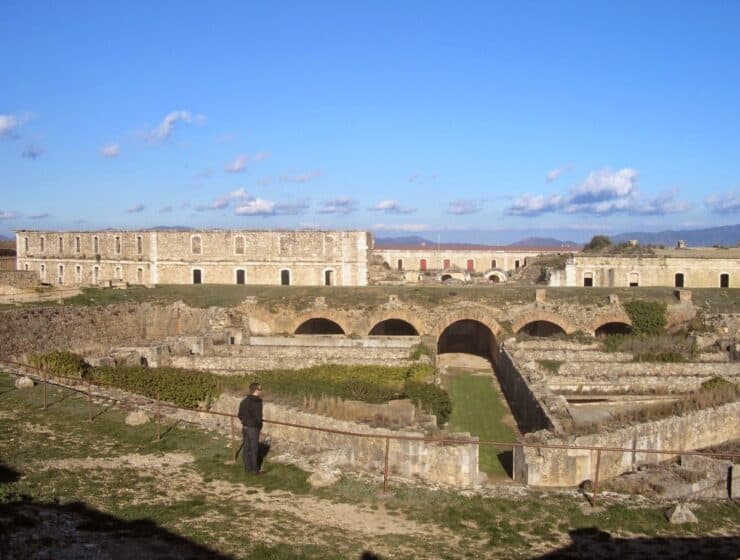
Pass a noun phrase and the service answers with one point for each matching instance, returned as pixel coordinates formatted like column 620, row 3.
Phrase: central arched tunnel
column 467, row 336
column 394, row 327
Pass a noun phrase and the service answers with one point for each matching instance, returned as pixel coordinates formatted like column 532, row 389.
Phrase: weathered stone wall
column 556, row 467
column 504, row 259
column 94, row 329
column 455, row 465
column 241, row 359
column 699, row 269
column 524, row 395
column 170, row 257
column 19, row 278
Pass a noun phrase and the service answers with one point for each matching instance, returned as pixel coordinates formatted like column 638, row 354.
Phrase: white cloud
column 261, row 156
column 401, row 227
column 256, row 207
column 724, row 203
column 461, row 206
column 165, row 210
column 38, row 216
column 528, row 205
column 225, row 200
column 602, row 193
column 338, row 206
column 391, row 207
column 239, row 164
column 110, row 150
column 136, row 208
column 556, row 173
column 300, row 177
column 11, row 122
column 163, row 131
column 32, row 152
column 6, row 215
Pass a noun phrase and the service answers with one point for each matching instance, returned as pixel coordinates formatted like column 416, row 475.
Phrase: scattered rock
column 24, row 383
column 322, row 479
column 137, row 418
column 680, row 514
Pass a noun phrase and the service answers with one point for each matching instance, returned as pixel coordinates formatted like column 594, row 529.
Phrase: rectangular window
column 724, row 280
column 43, row 273
column 239, row 245
column 118, row 245
column 78, row 273
column 96, row 274
column 60, row 280
column 240, row 277
column 42, row 244
column 195, row 245
column 139, row 245
column 423, row 264
column 119, row 273
column 493, row 263
column 139, row 275
column 25, row 244
column 96, row 245
column 678, row 280
column 197, row 276
column 634, row 280
column 77, row 244
column 285, row 277
column 399, row 264
column 588, row 279
column 61, row 244
column 328, row 278
column 470, row 265
column 516, row 264
column 446, row 264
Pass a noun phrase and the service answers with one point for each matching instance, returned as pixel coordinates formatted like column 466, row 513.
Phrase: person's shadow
column 264, row 449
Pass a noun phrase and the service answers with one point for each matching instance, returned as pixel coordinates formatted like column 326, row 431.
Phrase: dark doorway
column 240, row 277
column 328, row 278
column 446, row 277
column 679, row 280
column 319, row 325
column 285, row 277
column 588, row 281
column 197, row 276
column 542, row 329
column 608, row 329
column 724, row 280
column 394, row 327
column 467, row 336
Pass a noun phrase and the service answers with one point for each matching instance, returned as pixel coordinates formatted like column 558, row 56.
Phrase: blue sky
column 476, row 121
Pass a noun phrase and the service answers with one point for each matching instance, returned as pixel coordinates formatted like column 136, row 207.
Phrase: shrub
column 648, row 317
column 61, row 362
column 429, row 397
column 597, row 243
column 418, row 351
column 552, row 366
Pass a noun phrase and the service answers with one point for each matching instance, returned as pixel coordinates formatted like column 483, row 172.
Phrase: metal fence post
column 156, row 415
column 385, row 470
column 234, row 450
column 596, row 477
column 89, row 402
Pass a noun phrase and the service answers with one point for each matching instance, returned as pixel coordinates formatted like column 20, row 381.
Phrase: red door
column 423, row 264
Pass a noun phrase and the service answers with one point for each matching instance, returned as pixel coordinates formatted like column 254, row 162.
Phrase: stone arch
column 319, row 325
column 614, row 317
column 445, row 277
column 495, row 275
column 394, row 327
column 325, row 315
column 468, row 336
column 479, row 314
column 544, row 317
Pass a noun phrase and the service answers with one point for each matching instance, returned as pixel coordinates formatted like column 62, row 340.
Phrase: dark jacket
column 250, row 412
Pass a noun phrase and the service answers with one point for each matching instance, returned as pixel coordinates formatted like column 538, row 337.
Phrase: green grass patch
column 478, row 409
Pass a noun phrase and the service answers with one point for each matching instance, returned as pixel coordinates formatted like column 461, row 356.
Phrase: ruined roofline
column 192, row 230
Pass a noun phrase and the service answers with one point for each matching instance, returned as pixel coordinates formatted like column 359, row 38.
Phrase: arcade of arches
column 394, row 327
column 319, row 325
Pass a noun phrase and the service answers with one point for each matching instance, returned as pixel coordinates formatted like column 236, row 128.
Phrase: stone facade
column 19, row 278
column 706, row 268
column 492, row 263
column 302, row 258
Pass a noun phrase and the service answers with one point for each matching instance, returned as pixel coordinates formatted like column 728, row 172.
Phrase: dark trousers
column 251, row 449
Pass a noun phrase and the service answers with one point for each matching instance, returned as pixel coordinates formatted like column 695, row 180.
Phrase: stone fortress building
column 149, row 257
column 679, row 268
column 336, row 258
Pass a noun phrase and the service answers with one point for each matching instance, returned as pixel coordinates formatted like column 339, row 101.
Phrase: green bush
column 429, row 397
column 552, row 366
column 418, row 351
column 667, row 356
column 597, row 243
column 61, row 362
column 648, row 317
column 188, row 389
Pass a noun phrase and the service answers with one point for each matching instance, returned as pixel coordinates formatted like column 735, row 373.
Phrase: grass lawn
column 477, row 408
column 78, row 489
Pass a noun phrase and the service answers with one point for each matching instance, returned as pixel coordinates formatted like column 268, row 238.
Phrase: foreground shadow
column 593, row 543
column 32, row 529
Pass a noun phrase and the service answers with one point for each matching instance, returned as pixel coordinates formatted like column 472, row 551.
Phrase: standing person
column 250, row 413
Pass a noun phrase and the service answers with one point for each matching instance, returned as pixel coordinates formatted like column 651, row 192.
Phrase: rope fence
column 73, row 384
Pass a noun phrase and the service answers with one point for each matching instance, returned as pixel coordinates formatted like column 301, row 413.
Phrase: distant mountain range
column 728, row 236
column 415, row 240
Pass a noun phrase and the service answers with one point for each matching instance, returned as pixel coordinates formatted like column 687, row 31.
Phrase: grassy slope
column 205, row 295
column 520, row 527
column 478, row 409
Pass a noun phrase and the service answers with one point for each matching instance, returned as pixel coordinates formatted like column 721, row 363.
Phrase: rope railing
column 51, row 378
